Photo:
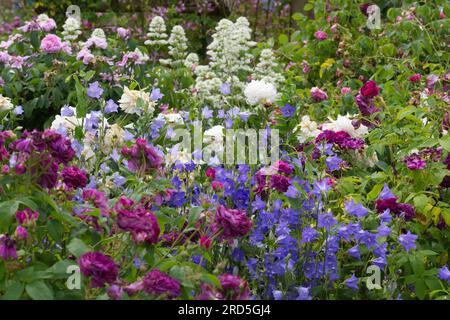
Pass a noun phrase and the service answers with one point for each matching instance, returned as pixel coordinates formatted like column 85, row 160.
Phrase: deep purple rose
column 101, row 268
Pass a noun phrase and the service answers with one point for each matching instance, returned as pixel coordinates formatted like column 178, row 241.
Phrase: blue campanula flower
column 287, row 110
column 386, row 193
column 444, row 274
column 380, row 250
column 386, row 216
column 383, row 230
column 309, row 235
column 357, row 210
column 326, row 220
column 111, row 106
column 67, row 111
column 156, row 94
column 304, row 293
column 94, row 90
column 408, row 241
column 240, row 198
column 225, row 88
column 115, row 155
column 18, row 110
column 354, row 252
column 292, row 192
column 119, row 180
column 207, row 113
column 333, row 162
column 352, row 282
column 127, row 135
column 258, row 204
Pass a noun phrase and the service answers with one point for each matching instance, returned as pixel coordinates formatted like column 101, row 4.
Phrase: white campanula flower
column 259, row 91
column 171, row 118
column 307, row 129
column 178, row 154
column 129, row 102
column 5, row 103
column 114, row 137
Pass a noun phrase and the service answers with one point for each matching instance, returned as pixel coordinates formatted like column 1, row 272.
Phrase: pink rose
column 320, row 35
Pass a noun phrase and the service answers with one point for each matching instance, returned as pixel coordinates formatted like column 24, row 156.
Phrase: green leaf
column 34, row 38
column 81, row 98
column 38, row 290
column 421, row 289
column 445, row 142
column 13, row 291
column 211, row 279
column 194, row 214
column 55, row 230
column 77, row 247
column 417, row 265
column 7, row 211
column 59, row 269
column 283, row 39
column 308, row 7
column 375, row 191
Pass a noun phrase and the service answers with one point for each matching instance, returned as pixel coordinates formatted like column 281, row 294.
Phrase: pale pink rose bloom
column 320, row 35
column 345, row 90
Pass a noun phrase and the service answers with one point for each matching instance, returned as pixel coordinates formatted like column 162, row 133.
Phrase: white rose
column 259, row 92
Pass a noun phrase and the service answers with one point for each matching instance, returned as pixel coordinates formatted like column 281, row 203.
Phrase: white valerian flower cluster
column 259, row 92
column 136, row 102
column 191, row 61
column 156, row 35
column 5, row 103
column 267, row 68
column 230, row 61
column 71, row 29
column 177, row 47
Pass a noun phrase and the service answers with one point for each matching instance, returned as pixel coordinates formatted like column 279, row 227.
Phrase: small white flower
column 259, row 92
